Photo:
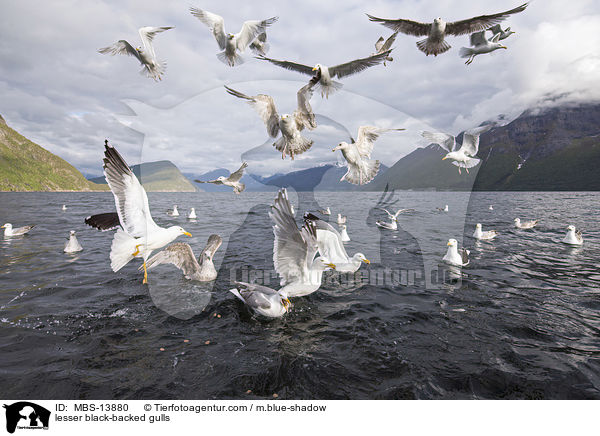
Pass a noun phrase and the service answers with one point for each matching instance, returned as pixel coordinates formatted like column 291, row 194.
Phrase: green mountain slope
column 25, row 166
column 161, row 175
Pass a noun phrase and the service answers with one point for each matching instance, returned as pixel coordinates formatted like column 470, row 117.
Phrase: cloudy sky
column 56, row 89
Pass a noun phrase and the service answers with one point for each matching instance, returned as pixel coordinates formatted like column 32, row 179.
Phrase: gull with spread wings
column 361, row 168
column 480, row 45
column 434, row 44
column 291, row 142
column 139, row 235
column 383, row 45
column 463, row 157
column 393, row 224
column 232, row 44
column 323, row 75
column 232, row 180
column 181, row 255
column 152, row 67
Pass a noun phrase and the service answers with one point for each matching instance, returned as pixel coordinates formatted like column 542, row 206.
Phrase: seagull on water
column 323, row 75
column 139, row 235
column 64, row 207
column 393, row 224
column 73, row 245
column 173, row 212
column 361, row 168
column 435, row 44
column 192, row 214
column 263, row 300
column 443, row 209
column 344, row 233
column 525, row 224
column 19, row 231
column 152, row 67
column 480, row 45
column 454, row 256
column 573, row 236
column 325, row 211
column 232, row 180
column 463, row 157
column 291, row 142
column 486, row 236
column 341, row 219
column 232, row 44
column 181, row 255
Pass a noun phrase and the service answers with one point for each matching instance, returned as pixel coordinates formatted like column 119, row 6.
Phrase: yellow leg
column 145, row 274
column 137, row 250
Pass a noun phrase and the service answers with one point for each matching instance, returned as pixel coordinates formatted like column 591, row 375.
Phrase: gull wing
column 447, row 142
column 478, row 38
column 293, row 249
column 293, row 66
column 265, row 106
column 235, row 177
column 130, row 196
column 121, row 47
column 367, row 135
column 329, row 240
column 358, row 65
column 470, row 144
column 250, row 30
column 104, row 221
column 481, row 22
column 179, row 254
column 389, row 42
column 408, row 27
column 304, row 115
column 214, row 22
column 147, row 35
column 379, row 44
column 216, row 181
column 255, row 295
column 495, row 29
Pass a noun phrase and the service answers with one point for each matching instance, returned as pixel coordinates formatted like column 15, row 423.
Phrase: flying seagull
column 260, row 46
column 19, row 231
column 152, row 67
column 331, row 246
column 454, row 256
column 139, row 235
column 228, row 42
column 434, row 44
column 361, row 168
column 291, row 142
column 72, row 245
column 573, row 236
column 463, row 157
column 383, row 45
column 497, row 29
column 480, row 45
column 323, row 76
column 232, row 180
column 181, row 255
column 486, row 236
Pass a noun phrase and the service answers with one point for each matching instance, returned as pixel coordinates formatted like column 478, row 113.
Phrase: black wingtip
column 311, row 217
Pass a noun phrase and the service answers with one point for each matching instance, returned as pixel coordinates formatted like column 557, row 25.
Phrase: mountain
column 553, row 149
column 251, row 183
column 322, row 178
column 25, row 166
column 159, row 176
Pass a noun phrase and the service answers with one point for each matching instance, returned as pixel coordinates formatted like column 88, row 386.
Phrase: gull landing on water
column 486, row 236
column 454, row 256
column 10, row 231
column 434, row 44
column 573, row 236
column 152, row 67
column 181, row 255
column 73, row 245
column 525, row 224
column 139, row 235
column 463, row 157
column 262, row 299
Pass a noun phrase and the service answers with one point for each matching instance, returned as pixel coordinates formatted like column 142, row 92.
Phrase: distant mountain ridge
column 26, row 166
column 159, row 176
column 555, row 149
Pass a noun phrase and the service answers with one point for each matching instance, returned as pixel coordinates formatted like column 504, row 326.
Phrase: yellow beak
column 314, row 69
column 330, row 265
column 445, row 157
column 449, row 244
column 187, row 233
column 367, row 261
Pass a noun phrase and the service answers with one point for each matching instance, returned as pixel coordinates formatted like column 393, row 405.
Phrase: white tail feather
column 123, row 245
column 363, row 174
column 237, row 59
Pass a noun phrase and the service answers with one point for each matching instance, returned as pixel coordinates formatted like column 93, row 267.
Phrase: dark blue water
column 521, row 321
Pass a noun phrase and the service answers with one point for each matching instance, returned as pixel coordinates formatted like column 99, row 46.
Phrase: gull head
column 517, row 220
column 362, row 258
column 451, row 155
column 452, row 243
column 317, row 67
column 72, row 232
column 340, row 146
column 571, row 228
column 285, row 301
column 437, row 20
column 230, row 36
column 221, row 178
column 180, row 230
column 478, row 226
column 327, row 264
column 138, row 49
column 6, row 226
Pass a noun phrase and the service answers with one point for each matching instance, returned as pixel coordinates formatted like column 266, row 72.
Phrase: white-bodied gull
column 232, row 180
